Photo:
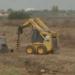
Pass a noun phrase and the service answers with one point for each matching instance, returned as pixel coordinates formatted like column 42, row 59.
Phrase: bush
column 18, row 15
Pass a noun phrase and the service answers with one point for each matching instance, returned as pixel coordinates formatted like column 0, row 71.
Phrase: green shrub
column 18, row 15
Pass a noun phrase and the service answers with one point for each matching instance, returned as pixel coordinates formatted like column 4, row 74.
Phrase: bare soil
column 19, row 63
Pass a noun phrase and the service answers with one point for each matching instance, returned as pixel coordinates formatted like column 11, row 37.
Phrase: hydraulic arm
column 41, row 32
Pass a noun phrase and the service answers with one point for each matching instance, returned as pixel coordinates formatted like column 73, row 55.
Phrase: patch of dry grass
column 9, row 70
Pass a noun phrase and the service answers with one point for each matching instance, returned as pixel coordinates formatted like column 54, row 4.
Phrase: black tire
column 30, row 50
column 41, row 50
column 11, row 50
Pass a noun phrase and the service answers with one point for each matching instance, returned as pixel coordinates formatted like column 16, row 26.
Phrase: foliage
column 55, row 8
column 21, row 14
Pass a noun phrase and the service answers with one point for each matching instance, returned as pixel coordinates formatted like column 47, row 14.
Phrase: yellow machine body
column 49, row 42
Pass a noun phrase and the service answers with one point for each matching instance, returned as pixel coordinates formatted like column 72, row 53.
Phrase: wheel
column 30, row 50
column 11, row 50
column 42, row 50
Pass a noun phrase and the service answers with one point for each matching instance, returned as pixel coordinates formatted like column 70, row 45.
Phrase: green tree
column 55, row 9
column 21, row 14
column 10, row 10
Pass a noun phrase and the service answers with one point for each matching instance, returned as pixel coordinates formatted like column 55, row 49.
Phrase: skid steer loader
column 44, row 41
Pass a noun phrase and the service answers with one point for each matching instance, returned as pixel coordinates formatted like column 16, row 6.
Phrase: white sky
column 37, row 4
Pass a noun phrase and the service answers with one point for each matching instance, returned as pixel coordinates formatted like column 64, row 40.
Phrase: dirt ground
column 19, row 63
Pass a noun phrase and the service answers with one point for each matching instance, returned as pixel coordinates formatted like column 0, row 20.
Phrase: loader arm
column 41, row 24
column 37, row 24
column 32, row 23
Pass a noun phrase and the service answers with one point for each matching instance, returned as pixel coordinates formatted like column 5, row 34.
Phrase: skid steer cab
column 42, row 45
column 43, row 40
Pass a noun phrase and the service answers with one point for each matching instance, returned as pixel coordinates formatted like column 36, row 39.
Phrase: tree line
column 20, row 14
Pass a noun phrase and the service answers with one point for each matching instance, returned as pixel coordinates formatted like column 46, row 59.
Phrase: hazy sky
column 38, row 4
